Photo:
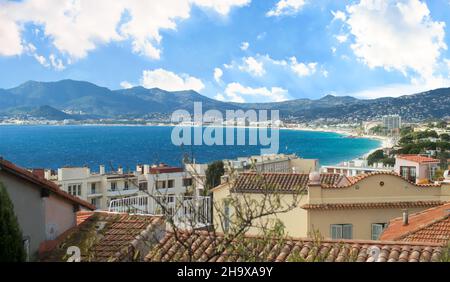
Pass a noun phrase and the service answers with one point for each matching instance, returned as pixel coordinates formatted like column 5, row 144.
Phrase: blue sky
column 232, row 50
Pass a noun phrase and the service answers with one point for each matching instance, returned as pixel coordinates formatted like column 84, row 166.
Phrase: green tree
column 375, row 157
column 445, row 137
column 11, row 246
column 214, row 172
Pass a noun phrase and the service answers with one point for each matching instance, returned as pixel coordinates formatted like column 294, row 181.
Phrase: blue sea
column 127, row 146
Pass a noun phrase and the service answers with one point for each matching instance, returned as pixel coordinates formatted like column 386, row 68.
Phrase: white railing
column 189, row 211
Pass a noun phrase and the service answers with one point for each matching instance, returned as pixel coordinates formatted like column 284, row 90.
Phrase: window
column 377, row 229
column 94, row 201
column 226, row 222
column 341, row 231
column 93, row 188
column 143, row 186
column 408, row 172
column 170, row 183
column 126, row 186
column 113, row 186
column 160, row 184
column 187, row 182
column 74, row 189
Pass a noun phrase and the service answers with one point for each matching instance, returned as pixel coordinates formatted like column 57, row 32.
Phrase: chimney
column 102, row 169
column 146, row 169
column 405, row 217
column 120, row 170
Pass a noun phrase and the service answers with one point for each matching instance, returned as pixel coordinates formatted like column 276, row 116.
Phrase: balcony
column 187, row 212
column 122, row 193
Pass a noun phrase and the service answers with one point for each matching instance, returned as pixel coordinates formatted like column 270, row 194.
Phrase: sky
column 231, row 50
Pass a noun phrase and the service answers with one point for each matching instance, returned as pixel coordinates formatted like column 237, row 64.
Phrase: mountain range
column 69, row 99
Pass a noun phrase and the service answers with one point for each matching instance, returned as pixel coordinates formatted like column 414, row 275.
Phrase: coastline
column 385, row 142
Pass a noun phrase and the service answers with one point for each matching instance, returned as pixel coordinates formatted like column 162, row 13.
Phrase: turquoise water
column 58, row 146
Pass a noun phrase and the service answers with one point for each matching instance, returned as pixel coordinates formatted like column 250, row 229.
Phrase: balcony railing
column 191, row 212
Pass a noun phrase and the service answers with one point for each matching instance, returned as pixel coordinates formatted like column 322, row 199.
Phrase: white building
column 392, row 122
column 101, row 188
column 356, row 167
column 272, row 163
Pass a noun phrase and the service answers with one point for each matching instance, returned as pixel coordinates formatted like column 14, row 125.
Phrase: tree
column 375, row 157
column 11, row 246
column 213, row 174
column 445, row 137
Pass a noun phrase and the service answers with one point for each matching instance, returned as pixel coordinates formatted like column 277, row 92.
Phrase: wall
column 60, row 214
column 28, row 207
column 295, row 220
column 321, row 220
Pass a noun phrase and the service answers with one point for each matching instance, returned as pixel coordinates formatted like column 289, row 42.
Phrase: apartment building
column 392, row 123
column 272, row 163
column 356, row 167
column 335, row 206
column 103, row 187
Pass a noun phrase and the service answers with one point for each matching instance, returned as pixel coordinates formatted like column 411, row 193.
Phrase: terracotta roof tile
column 104, row 236
column 43, row 183
column 431, row 225
column 355, row 179
column 169, row 250
column 381, row 205
column 418, row 159
column 280, row 182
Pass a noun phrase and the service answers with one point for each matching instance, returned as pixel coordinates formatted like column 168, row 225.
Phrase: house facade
column 335, row 206
column 43, row 211
column 416, row 168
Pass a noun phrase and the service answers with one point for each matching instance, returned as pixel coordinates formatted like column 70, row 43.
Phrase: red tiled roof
column 165, row 169
column 104, row 236
column 207, row 247
column 358, row 178
column 418, row 159
column 383, row 205
column 431, row 225
column 42, row 183
column 280, row 182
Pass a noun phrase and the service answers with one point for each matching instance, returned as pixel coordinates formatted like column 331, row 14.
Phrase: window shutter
column 347, row 231
column 336, row 231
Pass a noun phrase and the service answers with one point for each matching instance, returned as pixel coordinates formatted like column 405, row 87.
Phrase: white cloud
column 126, row 85
column 221, row 6
column 286, row 7
column 218, row 73
column 341, row 38
column 41, row 60
column 244, row 46
column 10, row 41
column 396, row 90
column 259, row 65
column 76, row 27
column 235, row 92
column 253, row 66
column 396, row 35
column 302, row 69
column 56, row 63
column 339, row 16
column 170, row 81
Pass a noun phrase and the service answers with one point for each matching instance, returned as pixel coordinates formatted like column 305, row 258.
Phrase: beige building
column 416, row 168
column 336, row 206
column 43, row 211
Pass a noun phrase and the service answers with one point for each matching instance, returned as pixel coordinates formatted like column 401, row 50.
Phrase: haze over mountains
column 88, row 101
